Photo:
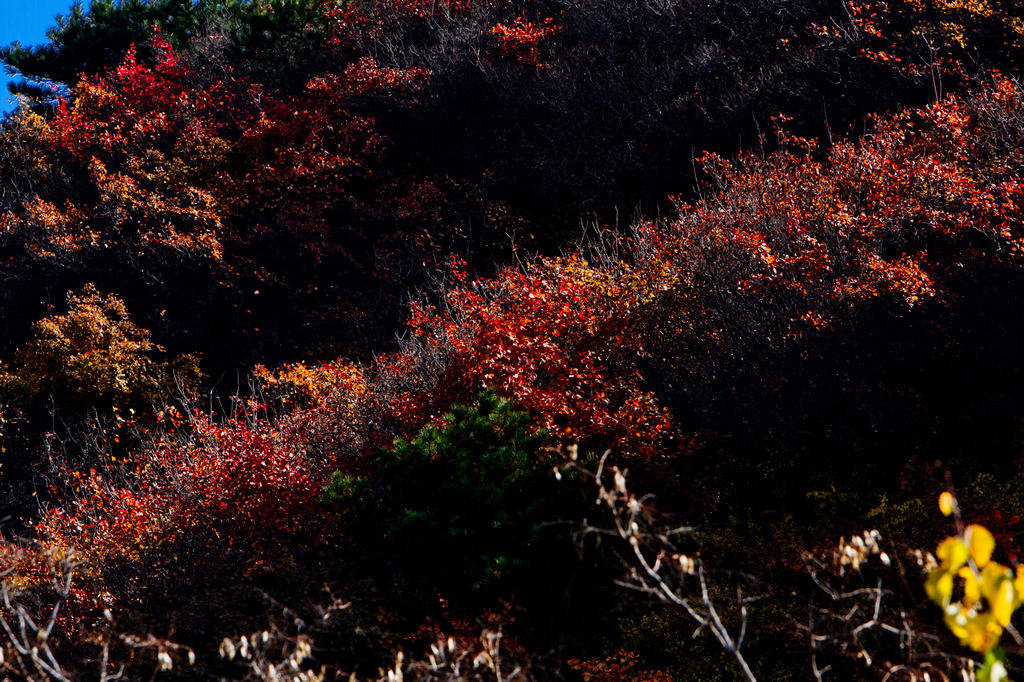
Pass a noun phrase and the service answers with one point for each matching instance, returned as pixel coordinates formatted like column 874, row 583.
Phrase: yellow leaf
column 958, row 625
column 981, row 544
column 953, row 553
column 1018, row 582
column 979, row 631
column 972, row 588
column 939, row 586
column 1002, row 603
column 988, row 633
column 992, row 576
column 946, row 503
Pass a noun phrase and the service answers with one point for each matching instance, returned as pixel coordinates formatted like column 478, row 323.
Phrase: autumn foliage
column 322, row 316
column 94, row 355
column 232, row 488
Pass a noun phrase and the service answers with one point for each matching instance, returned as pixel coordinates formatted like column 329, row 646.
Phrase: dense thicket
column 328, row 155
column 806, row 331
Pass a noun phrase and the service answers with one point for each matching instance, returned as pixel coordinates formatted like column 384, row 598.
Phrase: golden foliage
column 93, row 352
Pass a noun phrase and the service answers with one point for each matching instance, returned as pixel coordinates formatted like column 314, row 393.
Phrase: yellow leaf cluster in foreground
column 990, row 591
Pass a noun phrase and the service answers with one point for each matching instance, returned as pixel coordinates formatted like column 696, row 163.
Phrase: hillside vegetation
column 514, row 339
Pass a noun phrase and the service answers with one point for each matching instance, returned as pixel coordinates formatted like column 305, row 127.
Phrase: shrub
column 94, row 356
column 463, row 503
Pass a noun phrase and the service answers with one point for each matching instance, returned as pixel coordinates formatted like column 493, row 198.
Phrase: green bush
column 463, row 504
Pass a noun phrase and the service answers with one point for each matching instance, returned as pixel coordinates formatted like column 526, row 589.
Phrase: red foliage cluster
column 559, row 339
column 292, row 159
column 136, row 108
column 233, row 488
column 250, row 190
column 522, row 39
column 792, row 246
column 309, row 163
column 950, row 31
column 896, row 216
